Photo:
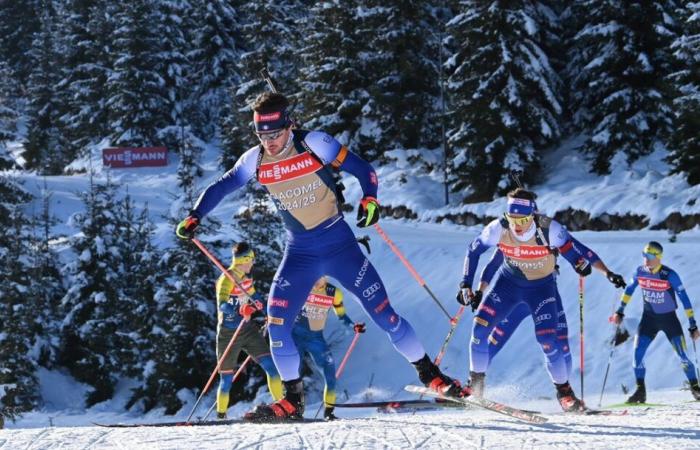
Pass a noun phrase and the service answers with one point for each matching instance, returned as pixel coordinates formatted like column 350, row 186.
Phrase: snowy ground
column 662, row 427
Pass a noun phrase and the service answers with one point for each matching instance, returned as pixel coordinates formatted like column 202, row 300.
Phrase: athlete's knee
column 482, row 327
column 268, row 365
column 547, row 338
column 225, row 381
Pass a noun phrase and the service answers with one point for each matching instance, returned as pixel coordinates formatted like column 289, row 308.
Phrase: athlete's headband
column 270, row 121
column 521, row 206
column 244, row 258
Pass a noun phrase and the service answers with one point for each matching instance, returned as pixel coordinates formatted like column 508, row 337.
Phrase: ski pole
column 216, row 369
column 339, row 371
column 235, row 377
column 580, row 309
column 607, row 369
column 410, row 268
column 454, row 321
column 695, row 350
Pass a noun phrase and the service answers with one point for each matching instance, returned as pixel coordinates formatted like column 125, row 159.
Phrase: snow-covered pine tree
column 504, row 95
column 685, row 142
column 85, row 36
column 138, row 100
column 46, row 289
column 91, row 344
column 333, row 81
column 8, row 117
column 400, row 65
column 18, row 384
column 214, row 56
column 183, row 337
column 45, row 145
column 619, row 60
column 19, row 21
column 140, row 279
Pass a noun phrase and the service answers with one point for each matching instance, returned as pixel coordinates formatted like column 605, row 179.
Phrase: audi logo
column 371, row 290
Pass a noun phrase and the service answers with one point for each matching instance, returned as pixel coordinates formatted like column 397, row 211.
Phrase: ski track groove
column 384, row 442
column 332, row 437
column 34, row 439
column 305, row 444
column 257, row 443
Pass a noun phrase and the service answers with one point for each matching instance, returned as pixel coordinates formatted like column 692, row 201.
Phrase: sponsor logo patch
column 498, row 331
column 653, row 284
column 288, row 169
column 320, row 300
column 276, row 344
column 481, row 321
column 275, row 320
column 546, row 331
column 382, row 306
column 488, row 310
column 371, row 290
column 476, row 341
column 361, row 274
column 524, row 251
column 279, row 302
column 493, row 340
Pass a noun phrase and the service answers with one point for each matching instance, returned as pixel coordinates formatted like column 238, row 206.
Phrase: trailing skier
column 233, row 307
column 660, row 285
column 308, row 334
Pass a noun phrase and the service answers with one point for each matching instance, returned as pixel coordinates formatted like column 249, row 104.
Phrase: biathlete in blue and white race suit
column 529, row 243
column 296, row 168
column 504, row 330
column 660, row 286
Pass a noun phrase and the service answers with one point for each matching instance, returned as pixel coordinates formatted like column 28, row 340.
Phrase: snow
column 375, row 371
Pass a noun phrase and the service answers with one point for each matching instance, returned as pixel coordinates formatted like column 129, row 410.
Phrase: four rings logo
column 371, row 290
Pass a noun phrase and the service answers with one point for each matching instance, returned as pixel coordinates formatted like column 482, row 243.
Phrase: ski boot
column 567, row 399
column 328, row 414
column 640, row 395
column 289, row 407
column 221, row 415
column 695, row 390
column 431, row 376
column 476, row 383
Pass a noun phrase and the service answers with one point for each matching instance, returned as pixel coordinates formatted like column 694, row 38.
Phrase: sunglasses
column 270, row 136
column 520, row 221
column 649, row 255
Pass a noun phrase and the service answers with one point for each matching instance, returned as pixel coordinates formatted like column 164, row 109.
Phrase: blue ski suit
column 308, row 332
column 526, row 280
column 659, row 290
column 319, row 242
column 504, row 330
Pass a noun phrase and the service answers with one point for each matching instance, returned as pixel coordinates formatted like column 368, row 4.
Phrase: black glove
column 616, row 280
column 693, row 330
column 583, row 267
column 367, row 212
column 359, row 327
column 185, row 229
column 464, row 294
column 475, row 300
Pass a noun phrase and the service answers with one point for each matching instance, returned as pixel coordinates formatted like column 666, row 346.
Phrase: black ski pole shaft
column 268, row 79
column 607, row 369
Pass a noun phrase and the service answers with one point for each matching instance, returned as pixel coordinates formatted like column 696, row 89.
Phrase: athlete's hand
column 616, row 280
column 617, row 318
column 247, row 310
column 583, row 267
column 475, row 300
column 465, row 293
column 185, row 229
column 367, row 212
column 694, row 333
column 359, row 327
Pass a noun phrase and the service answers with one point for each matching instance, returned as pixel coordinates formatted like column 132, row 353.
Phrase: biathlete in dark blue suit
column 529, row 243
column 296, row 168
column 660, row 285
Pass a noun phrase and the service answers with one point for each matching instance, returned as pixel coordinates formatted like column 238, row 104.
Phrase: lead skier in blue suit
column 296, row 168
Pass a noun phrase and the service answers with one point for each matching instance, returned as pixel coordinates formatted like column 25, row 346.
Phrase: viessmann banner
column 127, row 157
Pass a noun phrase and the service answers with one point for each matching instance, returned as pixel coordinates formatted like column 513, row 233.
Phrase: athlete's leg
column 257, row 347
column 223, row 338
column 504, row 330
column 646, row 332
column 543, row 307
column 322, row 356
column 498, row 304
column 293, row 281
column 674, row 332
column 563, row 335
column 357, row 275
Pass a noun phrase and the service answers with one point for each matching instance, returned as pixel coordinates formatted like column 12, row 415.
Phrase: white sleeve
column 323, row 145
column 558, row 235
column 491, row 234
